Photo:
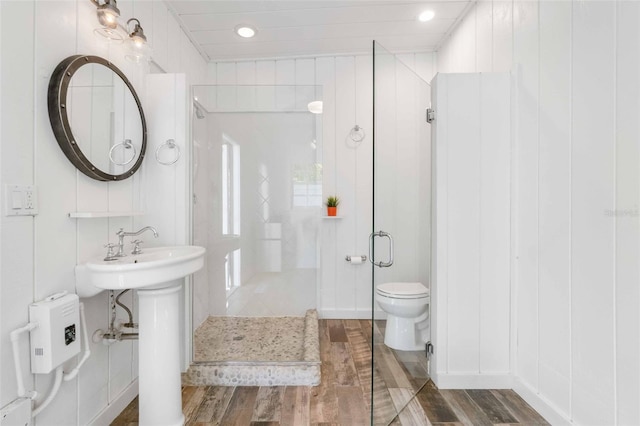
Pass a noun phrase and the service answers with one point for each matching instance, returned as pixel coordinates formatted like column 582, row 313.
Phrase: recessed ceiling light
column 427, row 15
column 245, row 31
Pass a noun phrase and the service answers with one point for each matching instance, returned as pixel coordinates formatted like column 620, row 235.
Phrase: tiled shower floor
column 250, row 339
column 256, row 351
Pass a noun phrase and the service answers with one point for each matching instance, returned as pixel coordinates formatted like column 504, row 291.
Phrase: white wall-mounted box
column 56, row 338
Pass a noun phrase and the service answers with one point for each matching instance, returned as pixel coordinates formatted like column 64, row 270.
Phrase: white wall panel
column 425, row 65
column 345, row 157
column 173, row 44
column 45, row 249
column 16, row 166
column 526, row 134
column 386, row 156
column 555, row 203
column 502, row 51
column 226, row 73
column 494, row 194
column 325, row 76
column 246, row 73
column 484, row 36
column 286, row 78
column 265, row 72
column 627, row 227
column 576, row 233
column 160, row 33
column 406, row 223
column 55, row 234
column 471, row 288
column 93, row 381
column 364, row 179
column 464, row 223
column 286, row 71
column 440, row 225
column 305, row 71
column 593, row 174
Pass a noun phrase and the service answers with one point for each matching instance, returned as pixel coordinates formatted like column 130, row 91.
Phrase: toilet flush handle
column 381, row 264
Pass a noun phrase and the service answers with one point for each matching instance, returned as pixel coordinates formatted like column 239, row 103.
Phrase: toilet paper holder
column 348, row 258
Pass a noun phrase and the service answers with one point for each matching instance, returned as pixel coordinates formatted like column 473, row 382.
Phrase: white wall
column 575, row 245
column 39, row 253
column 471, row 286
column 344, row 289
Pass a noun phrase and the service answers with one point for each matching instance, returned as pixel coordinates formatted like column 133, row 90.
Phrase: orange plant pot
column 331, row 211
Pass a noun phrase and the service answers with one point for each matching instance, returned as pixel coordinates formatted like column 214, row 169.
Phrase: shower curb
column 305, row 372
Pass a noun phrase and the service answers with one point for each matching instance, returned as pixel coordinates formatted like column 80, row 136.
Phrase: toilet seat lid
column 403, row 290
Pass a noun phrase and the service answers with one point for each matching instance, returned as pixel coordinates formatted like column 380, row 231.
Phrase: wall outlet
column 20, row 200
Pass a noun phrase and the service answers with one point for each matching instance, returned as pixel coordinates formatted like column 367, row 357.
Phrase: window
column 230, row 187
column 307, row 185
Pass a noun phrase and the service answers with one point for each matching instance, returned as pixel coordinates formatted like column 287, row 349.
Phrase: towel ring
column 357, row 134
column 126, row 144
column 169, row 144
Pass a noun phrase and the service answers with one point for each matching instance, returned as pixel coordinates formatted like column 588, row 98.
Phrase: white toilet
column 406, row 305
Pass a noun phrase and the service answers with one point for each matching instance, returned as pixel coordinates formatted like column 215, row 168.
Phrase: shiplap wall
column 344, row 290
column 39, row 253
column 576, row 195
column 471, row 286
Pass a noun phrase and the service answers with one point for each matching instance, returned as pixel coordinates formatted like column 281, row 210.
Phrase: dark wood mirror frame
column 57, row 95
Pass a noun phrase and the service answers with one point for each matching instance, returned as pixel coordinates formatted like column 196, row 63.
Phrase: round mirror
column 97, row 118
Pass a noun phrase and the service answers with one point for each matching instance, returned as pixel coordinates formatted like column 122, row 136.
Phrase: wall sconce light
column 137, row 35
column 137, row 42
column 108, row 13
column 315, row 107
column 110, row 27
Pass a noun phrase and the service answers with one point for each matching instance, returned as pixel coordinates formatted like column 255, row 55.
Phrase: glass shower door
column 400, row 242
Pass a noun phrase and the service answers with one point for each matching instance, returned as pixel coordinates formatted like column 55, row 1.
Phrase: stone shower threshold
column 256, row 351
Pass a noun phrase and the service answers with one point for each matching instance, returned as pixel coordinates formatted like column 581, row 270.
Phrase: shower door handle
column 381, row 264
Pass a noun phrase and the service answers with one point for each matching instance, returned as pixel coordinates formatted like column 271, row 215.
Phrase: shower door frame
column 378, row 264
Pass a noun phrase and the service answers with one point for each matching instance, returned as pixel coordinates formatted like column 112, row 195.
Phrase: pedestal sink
column 157, row 275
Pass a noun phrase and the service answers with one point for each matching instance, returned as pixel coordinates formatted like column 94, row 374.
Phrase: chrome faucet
column 122, row 233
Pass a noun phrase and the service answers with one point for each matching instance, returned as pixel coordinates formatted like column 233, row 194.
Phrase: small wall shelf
column 89, row 215
column 332, row 217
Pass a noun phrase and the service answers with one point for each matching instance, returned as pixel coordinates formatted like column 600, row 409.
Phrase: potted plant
column 332, row 205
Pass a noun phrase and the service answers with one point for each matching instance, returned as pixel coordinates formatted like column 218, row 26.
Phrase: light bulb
column 245, row 31
column 427, row 15
column 108, row 14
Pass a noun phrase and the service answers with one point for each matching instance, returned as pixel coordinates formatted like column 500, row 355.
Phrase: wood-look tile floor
column 343, row 397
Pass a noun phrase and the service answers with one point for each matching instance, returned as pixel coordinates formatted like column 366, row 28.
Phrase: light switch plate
column 20, row 200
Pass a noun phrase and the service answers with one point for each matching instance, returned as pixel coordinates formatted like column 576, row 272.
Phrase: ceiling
column 311, row 27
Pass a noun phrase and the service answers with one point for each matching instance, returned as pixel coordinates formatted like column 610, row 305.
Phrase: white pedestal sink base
column 157, row 274
column 160, row 399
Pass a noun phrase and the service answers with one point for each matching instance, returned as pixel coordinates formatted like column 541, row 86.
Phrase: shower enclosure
column 257, row 188
column 258, row 208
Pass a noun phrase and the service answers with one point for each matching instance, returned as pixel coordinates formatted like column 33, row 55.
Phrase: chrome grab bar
column 381, row 264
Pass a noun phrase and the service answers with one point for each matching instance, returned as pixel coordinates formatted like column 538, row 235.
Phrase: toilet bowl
column 406, row 305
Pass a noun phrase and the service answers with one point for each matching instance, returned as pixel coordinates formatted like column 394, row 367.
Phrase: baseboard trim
column 473, row 381
column 546, row 409
column 111, row 411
